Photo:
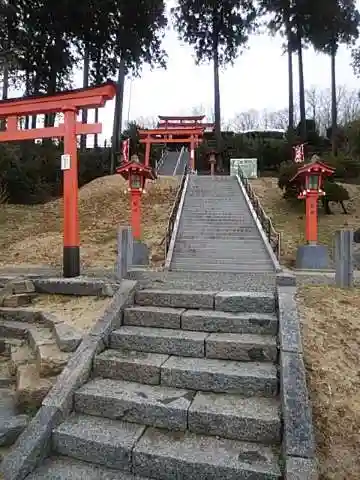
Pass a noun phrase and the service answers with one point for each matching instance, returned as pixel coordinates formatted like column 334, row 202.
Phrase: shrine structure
column 176, row 129
column 69, row 103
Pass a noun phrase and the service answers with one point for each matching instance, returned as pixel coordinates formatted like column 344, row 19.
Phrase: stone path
column 187, row 389
column 217, row 232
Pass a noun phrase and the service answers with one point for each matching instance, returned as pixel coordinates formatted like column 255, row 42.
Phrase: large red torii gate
column 69, row 103
column 183, row 134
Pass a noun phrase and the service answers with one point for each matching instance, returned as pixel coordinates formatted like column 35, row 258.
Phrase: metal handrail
column 175, row 207
column 273, row 236
column 162, row 159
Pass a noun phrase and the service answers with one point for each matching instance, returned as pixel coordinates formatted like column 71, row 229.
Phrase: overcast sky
column 258, row 80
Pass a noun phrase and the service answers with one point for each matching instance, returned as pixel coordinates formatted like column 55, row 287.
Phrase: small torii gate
column 182, row 134
column 69, row 103
column 180, row 121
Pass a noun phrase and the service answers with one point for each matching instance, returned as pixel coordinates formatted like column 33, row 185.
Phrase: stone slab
column 61, row 468
column 73, row 286
column 227, row 322
column 300, row 469
column 312, row 257
column 160, row 340
column 50, row 360
column 160, row 317
column 134, row 402
column 19, row 315
column 141, row 253
column 67, row 337
column 250, row 379
column 193, row 456
column 130, row 365
column 97, row 440
column 253, row 419
column 176, row 298
column 30, row 388
column 32, row 446
column 289, row 321
column 298, row 435
column 11, row 428
column 241, row 347
column 75, row 374
column 249, row 302
column 113, row 316
column 14, row 329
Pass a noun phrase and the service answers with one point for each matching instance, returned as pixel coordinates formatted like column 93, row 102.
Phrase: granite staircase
column 174, row 163
column 217, row 232
column 188, row 389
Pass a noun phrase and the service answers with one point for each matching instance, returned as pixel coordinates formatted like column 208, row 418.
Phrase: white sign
column 249, row 167
column 65, row 161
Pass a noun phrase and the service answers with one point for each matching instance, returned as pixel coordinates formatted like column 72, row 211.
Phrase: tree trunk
column 96, row 138
column 333, row 100
column 290, row 75
column 217, row 107
column 301, row 88
column 5, row 89
column 84, row 113
column 118, row 111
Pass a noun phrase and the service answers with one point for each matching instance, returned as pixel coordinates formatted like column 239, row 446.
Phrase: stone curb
column 298, row 446
column 34, row 443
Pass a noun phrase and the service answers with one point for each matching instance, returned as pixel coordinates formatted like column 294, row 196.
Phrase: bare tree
column 147, row 122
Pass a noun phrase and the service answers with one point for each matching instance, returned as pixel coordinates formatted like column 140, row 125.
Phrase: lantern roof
column 127, row 168
column 316, row 167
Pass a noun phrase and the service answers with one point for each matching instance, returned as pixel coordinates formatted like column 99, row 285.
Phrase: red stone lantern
column 136, row 174
column 212, row 160
column 311, row 177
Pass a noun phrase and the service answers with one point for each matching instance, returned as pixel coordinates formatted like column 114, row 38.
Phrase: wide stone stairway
column 188, row 389
column 173, row 165
column 217, row 232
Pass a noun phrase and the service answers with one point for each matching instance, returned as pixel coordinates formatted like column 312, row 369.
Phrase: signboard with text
column 249, row 167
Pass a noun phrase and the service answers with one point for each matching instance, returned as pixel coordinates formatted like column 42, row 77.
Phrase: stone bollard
column 124, row 256
column 344, row 273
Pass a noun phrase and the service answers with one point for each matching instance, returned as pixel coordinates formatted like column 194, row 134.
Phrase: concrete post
column 344, row 274
column 124, row 256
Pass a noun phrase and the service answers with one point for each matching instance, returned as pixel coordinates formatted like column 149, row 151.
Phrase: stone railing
column 175, row 207
column 273, row 236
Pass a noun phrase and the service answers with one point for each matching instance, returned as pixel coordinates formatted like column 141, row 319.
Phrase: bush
column 346, row 166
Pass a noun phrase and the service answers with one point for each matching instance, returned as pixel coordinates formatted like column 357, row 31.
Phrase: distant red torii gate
column 69, row 103
column 189, row 134
column 184, row 122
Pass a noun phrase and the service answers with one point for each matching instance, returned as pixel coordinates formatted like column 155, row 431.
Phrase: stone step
column 230, row 416
column 160, row 317
column 159, row 340
column 186, row 343
column 159, row 452
column 62, row 468
column 14, row 329
column 180, row 266
column 209, row 375
column 225, row 322
column 97, row 440
column 220, row 256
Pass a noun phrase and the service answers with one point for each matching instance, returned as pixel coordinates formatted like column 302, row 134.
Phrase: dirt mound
column 34, row 234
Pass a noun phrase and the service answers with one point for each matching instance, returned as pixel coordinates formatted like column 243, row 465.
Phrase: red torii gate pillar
column 69, row 102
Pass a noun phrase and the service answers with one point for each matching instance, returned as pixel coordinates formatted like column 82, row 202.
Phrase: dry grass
column 331, row 336
column 291, row 221
column 33, row 234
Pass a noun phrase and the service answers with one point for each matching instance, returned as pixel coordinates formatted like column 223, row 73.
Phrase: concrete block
column 125, row 247
column 175, row 298
column 298, row 435
column 33, row 445
column 19, row 315
column 245, row 302
column 253, row 419
column 129, row 365
column 227, row 322
column 289, row 321
column 160, row 340
column 250, row 379
column 19, row 300
column 241, row 347
column 312, row 257
column 159, row 452
column 75, row 374
column 30, row 388
column 14, row 329
column 97, row 440
column 153, row 317
column 300, row 469
column 50, row 360
column 136, row 403
column 67, row 337
column 22, row 286
column 113, row 315
column 69, row 286
column 20, row 355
